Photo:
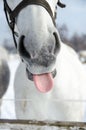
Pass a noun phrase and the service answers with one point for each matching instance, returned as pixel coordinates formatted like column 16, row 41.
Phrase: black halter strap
column 25, row 3
column 10, row 22
column 12, row 14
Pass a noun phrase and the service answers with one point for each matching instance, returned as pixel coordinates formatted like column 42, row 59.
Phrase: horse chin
column 30, row 75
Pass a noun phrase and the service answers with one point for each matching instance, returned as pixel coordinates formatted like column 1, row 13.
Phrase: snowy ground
column 8, row 108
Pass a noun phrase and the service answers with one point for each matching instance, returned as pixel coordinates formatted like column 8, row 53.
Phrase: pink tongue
column 43, row 82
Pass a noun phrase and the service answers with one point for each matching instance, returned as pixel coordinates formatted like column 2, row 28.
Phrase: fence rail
column 40, row 125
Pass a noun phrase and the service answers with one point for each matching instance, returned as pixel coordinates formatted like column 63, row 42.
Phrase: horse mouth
column 43, row 82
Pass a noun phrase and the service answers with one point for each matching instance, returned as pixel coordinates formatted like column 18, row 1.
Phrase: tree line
column 76, row 41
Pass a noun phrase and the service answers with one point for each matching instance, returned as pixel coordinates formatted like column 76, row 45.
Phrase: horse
column 50, row 81
column 4, row 73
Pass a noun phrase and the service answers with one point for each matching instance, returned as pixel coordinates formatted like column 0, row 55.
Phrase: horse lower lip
column 30, row 75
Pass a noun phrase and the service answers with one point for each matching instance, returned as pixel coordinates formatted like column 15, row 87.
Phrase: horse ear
column 61, row 4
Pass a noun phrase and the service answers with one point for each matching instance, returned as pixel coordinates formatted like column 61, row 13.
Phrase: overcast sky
column 74, row 15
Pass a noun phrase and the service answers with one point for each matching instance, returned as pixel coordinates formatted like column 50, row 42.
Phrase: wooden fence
column 40, row 125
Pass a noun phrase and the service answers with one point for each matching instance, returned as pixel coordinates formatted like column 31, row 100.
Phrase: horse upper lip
column 30, row 75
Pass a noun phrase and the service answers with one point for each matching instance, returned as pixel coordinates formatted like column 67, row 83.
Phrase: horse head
column 39, row 42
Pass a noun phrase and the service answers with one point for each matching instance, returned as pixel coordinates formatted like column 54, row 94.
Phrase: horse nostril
column 22, row 50
column 57, row 43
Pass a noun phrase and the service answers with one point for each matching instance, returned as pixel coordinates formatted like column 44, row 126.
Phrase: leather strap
column 25, row 3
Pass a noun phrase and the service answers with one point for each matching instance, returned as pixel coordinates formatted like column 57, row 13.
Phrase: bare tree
column 78, row 42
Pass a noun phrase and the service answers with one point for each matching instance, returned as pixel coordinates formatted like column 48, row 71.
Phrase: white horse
column 43, row 54
column 4, row 74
